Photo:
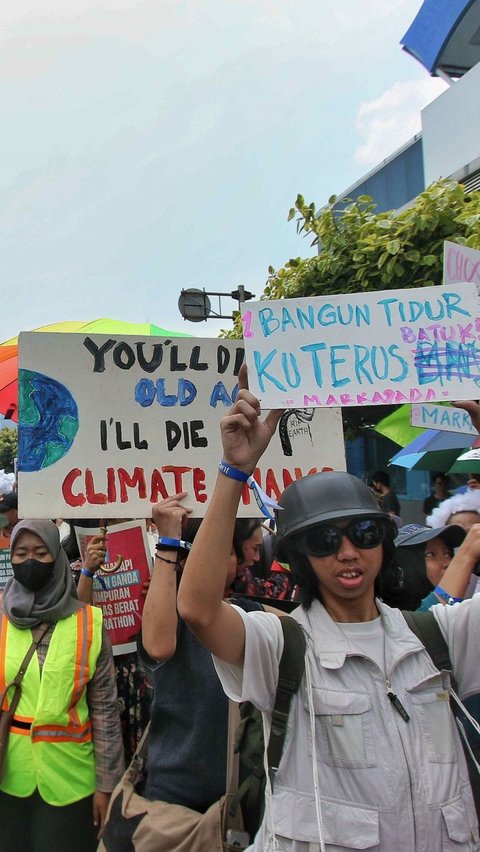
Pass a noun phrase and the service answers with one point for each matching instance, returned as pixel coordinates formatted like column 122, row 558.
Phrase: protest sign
column 110, row 425
column 120, row 594
column 379, row 348
column 5, row 568
column 460, row 263
column 442, row 417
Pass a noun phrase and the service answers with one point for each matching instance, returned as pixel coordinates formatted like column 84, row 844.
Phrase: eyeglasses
column 325, row 540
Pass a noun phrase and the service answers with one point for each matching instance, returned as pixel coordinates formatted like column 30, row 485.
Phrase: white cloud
column 387, row 122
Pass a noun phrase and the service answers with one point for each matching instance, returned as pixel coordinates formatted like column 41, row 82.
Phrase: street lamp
column 195, row 305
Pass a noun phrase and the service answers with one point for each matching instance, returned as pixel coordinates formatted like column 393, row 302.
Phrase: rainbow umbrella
column 432, row 450
column 396, row 426
column 105, row 325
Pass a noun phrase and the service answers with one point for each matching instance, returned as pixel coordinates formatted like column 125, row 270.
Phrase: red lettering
column 157, row 487
column 68, row 496
column 177, row 475
column 137, row 480
column 111, row 485
column 271, row 485
column 92, row 496
column 246, row 495
column 199, row 484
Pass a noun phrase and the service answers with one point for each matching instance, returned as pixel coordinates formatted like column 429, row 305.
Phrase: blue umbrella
column 433, row 450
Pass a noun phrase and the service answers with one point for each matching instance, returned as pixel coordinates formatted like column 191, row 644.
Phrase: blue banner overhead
column 445, row 36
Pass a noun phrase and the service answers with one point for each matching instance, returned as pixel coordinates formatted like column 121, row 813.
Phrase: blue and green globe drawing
column 48, row 421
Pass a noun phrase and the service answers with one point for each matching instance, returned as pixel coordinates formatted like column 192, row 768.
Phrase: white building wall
column 451, row 128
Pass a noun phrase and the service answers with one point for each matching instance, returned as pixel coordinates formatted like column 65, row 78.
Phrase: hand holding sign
column 245, row 436
column 170, row 516
column 95, row 555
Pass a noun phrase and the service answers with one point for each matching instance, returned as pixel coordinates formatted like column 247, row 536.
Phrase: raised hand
column 244, row 435
column 170, row 515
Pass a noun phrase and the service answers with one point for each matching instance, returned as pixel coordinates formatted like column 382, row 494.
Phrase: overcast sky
column 158, row 145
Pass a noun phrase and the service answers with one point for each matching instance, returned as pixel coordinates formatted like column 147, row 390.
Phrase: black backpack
column 425, row 626
column 249, row 741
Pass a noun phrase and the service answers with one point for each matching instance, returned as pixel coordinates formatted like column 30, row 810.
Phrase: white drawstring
column 464, row 710
column 316, row 785
column 461, row 726
column 272, row 845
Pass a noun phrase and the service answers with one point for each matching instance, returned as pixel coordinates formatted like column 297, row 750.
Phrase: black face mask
column 33, row 574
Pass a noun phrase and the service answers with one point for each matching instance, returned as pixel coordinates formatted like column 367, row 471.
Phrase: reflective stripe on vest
column 3, row 645
column 50, row 745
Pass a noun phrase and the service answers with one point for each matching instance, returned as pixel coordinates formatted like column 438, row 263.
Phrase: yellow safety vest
column 50, row 744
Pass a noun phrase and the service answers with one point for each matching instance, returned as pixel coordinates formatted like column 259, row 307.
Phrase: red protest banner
column 120, row 594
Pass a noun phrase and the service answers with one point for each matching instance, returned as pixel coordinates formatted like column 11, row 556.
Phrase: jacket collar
column 331, row 645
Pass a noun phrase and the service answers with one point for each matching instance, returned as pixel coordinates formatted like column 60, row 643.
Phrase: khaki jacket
column 385, row 783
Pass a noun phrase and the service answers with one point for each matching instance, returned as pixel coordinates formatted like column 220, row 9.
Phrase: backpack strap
column 425, row 627
column 291, row 670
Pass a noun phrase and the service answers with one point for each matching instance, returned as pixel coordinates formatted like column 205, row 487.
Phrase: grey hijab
column 57, row 599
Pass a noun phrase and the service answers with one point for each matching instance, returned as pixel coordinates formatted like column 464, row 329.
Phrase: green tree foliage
column 364, row 250
column 8, row 448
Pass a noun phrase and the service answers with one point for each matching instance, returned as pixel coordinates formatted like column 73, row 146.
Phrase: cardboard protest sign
column 442, row 417
column 378, row 348
column 460, row 263
column 120, row 594
column 5, row 568
column 110, row 425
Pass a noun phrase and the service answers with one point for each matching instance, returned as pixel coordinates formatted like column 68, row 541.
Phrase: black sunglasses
column 325, row 540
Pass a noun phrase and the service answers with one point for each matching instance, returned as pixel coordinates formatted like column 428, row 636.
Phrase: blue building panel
column 396, row 182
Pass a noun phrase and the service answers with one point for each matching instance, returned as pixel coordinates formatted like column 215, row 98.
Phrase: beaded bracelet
column 165, row 543
column 449, row 599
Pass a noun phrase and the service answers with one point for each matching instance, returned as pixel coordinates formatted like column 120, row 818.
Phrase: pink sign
column 460, row 263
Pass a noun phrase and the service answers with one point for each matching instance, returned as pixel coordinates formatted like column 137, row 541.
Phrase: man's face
column 251, row 548
column 347, row 575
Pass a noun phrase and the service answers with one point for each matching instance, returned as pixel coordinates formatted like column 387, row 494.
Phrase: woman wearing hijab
column 64, row 753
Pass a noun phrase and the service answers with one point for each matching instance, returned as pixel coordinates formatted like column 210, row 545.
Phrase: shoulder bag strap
column 15, row 684
column 292, row 667
column 425, row 627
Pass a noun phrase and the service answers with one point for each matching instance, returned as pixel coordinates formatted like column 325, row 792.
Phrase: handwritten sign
column 108, row 426
column 380, row 348
column 442, row 417
column 5, row 567
column 460, row 263
column 120, row 594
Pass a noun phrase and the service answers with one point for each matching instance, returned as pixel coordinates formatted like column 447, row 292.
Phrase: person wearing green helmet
column 372, row 758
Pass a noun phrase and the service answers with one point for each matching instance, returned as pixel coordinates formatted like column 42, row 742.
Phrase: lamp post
column 195, row 305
